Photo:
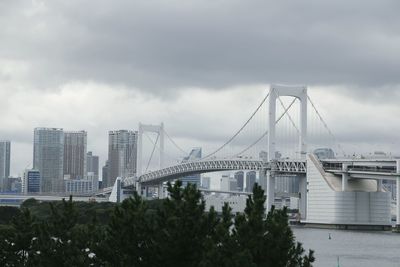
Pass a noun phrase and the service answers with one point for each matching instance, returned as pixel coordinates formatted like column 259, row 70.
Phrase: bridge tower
column 159, row 129
column 299, row 92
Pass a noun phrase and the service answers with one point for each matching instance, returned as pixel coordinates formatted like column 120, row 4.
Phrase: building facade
column 81, row 186
column 92, row 163
column 206, row 182
column 228, row 183
column 75, row 147
column 122, row 155
column 48, row 158
column 5, row 155
column 92, row 168
column 31, row 182
column 239, row 176
column 13, row 185
column 104, row 174
column 287, row 184
column 250, row 180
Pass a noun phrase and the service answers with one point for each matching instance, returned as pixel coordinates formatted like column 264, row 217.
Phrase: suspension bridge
column 277, row 140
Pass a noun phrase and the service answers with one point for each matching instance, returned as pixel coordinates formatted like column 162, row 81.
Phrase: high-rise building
column 239, row 176
column 13, row 185
column 122, row 155
column 250, row 180
column 195, row 154
column 48, row 158
column 75, row 147
column 104, row 174
column 92, row 168
column 92, row 163
column 5, row 152
column 287, row 184
column 31, row 182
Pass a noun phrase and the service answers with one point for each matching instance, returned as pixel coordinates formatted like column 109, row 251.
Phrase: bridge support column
column 244, row 188
column 398, row 194
column 161, row 191
column 270, row 190
column 303, row 197
column 379, row 185
column 345, row 177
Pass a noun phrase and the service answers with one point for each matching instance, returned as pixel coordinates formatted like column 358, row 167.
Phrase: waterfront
column 354, row 248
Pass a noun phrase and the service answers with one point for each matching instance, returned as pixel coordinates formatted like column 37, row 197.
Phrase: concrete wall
column 326, row 204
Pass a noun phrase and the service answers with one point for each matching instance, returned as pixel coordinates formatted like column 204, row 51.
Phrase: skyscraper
column 122, row 155
column 5, row 152
column 75, row 146
column 195, row 154
column 92, row 168
column 287, row 184
column 250, row 181
column 48, row 157
column 239, row 176
column 92, row 163
column 105, row 174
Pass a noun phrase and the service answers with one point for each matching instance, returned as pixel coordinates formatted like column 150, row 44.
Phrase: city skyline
column 165, row 74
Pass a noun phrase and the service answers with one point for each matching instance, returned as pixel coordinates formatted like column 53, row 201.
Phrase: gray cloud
column 121, row 62
column 214, row 44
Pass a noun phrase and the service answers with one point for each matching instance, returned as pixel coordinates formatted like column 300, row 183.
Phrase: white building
column 236, row 202
column 228, row 183
column 206, row 182
column 81, row 186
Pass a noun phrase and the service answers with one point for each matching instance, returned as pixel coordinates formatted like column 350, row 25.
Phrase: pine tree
column 183, row 227
column 129, row 235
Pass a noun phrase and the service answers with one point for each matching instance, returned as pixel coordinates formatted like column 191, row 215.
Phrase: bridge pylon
column 299, row 92
column 159, row 129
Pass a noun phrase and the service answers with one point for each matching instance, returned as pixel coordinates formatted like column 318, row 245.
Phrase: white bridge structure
column 204, row 166
column 340, row 191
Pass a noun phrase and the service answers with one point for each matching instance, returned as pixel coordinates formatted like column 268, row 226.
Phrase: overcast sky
column 201, row 67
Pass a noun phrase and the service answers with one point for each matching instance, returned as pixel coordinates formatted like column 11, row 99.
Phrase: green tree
column 60, row 241
column 128, row 240
column 183, row 227
column 269, row 240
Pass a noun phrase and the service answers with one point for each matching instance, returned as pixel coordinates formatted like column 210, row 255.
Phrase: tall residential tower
column 75, row 147
column 122, row 155
column 48, row 156
column 5, row 152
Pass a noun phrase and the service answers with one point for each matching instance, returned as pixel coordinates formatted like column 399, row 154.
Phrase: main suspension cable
column 239, row 131
column 266, row 132
column 326, row 125
column 152, row 153
column 175, row 144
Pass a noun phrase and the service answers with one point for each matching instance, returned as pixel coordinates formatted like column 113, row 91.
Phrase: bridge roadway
column 378, row 169
column 215, row 165
column 356, row 168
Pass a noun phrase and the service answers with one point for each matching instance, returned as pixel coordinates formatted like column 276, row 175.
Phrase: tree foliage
column 177, row 231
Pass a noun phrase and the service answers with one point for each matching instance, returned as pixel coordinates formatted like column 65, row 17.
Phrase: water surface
column 354, row 248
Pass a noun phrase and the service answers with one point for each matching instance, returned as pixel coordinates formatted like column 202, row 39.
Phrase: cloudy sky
column 201, row 67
